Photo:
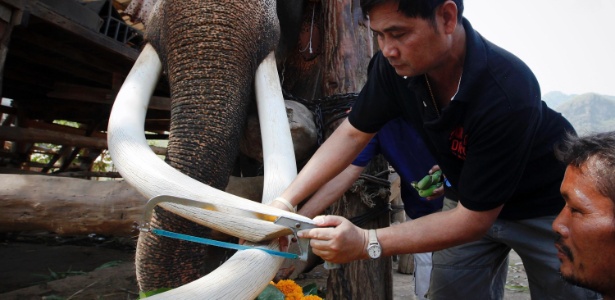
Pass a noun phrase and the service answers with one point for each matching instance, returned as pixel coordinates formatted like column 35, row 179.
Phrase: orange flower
column 292, row 291
column 294, row 296
column 289, row 287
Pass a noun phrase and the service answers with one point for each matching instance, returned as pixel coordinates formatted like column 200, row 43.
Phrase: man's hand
column 439, row 192
column 283, row 240
column 338, row 240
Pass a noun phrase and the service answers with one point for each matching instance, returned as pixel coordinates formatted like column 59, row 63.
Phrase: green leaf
column 54, row 275
column 310, row 289
column 151, row 293
column 271, row 293
column 113, row 263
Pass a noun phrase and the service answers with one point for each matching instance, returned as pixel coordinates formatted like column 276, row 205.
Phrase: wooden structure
column 63, row 63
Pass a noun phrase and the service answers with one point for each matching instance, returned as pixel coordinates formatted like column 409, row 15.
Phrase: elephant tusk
column 278, row 151
column 247, row 272
column 152, row 177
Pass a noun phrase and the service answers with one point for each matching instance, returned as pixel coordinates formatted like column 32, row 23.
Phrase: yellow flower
column 294, row 296
column 289, row 287
column 311, row 297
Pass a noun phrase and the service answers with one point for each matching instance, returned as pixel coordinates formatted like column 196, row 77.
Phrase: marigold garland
column 288, row 287
column 292, row 291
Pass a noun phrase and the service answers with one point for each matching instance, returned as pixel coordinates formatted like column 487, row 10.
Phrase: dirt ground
column 40, row 266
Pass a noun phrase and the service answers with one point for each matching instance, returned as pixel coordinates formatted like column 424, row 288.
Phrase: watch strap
column 373, row 238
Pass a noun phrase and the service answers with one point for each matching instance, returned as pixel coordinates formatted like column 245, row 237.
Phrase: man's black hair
column 424, row 9
column 600, row 149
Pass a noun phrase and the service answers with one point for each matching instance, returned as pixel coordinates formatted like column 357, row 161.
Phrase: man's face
column 586, row 225
column 413, row 46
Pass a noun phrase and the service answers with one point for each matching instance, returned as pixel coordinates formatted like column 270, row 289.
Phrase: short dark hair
column 424, row 9
column 600, row 149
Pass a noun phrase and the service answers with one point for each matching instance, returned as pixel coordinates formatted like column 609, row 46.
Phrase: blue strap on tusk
column 211, row 242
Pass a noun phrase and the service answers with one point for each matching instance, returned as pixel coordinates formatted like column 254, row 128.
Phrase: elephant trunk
column 210, row 51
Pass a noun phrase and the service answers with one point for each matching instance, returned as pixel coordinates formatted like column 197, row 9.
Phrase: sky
column 569, row 44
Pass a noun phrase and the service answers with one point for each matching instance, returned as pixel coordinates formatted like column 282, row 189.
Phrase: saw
column 291, row 226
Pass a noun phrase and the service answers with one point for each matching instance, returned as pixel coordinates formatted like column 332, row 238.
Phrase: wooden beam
column 39, row 9
column 44, row 150
column 88, row 174
column 56, row 127
column 100, row 95
column 71, row 206
column 33, row 135
column 26, row 77
column 56, row 45
column 68, row 206
column 68, row 67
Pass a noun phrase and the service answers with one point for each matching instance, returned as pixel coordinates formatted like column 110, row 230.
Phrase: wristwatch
column 373, row 247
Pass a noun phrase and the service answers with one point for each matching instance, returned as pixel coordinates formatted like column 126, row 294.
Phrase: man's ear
column 448, row 14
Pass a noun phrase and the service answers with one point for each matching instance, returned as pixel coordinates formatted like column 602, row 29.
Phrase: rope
column 337, row 106
column 309, row 45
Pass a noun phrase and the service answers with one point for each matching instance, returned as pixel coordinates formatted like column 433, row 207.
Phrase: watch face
column 374, row 251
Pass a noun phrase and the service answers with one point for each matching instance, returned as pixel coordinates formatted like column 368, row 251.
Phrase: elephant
column 210, row 51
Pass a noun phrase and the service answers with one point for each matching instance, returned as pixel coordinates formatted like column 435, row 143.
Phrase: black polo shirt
column 494, row 141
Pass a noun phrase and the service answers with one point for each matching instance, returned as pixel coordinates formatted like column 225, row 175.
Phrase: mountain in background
column 554, row 99
column 588, row 113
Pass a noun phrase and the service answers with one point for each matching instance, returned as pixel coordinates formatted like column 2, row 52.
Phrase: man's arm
column 331, row 191
column 346, row 242
column 333, row 156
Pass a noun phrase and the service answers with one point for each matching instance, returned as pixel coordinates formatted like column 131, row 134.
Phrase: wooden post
column 8, row 18
column 365, row 279
column 71, row 206
column 347, row 51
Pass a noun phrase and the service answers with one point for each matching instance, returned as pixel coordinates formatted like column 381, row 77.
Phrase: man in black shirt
column 478, row 109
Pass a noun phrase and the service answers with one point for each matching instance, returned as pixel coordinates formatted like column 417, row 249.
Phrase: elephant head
column 210, row 52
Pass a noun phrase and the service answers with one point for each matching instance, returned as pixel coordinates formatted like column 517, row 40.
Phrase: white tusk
column 245, row 274
column 278, row 151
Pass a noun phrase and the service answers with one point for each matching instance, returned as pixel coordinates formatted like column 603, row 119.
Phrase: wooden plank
column 53, row 127
column 77, row 12
column 100, row 95
column 19, row 4
column 27, row 77
column 33, row 135
column 68, row 205
column 76, row 206
column 88, row 174
column 62, row 46
column 61, row 128
column 60, row 136
column 46, row 13
column 43, row 150
column 8, row 17
column 63, row 67
column 5, row 13
column 81, row 93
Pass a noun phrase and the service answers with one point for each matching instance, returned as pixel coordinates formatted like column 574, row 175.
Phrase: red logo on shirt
column 458, row 142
